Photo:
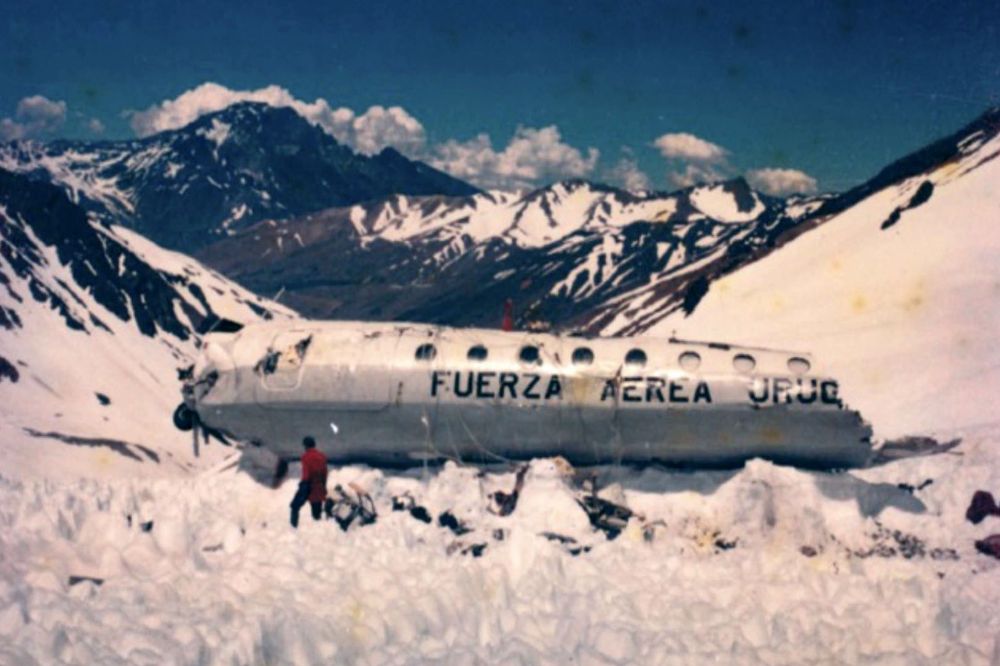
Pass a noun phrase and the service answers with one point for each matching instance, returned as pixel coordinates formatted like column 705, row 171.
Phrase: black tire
column 184, row 418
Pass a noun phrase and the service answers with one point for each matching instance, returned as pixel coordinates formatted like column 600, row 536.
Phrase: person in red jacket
column 312, row 487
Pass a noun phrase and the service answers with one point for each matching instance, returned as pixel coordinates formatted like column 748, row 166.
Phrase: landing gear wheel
column 184, row 418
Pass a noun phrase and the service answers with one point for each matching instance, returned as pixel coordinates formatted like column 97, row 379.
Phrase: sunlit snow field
column 763, row 565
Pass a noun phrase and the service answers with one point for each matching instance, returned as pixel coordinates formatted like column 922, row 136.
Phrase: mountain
column 560, row 251
column 223, row 172
column 94, row 323
column 898, row 289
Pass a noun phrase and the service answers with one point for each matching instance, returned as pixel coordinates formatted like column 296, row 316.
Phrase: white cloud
column 781, row 182
column 95, row 126
column 688, row 147
column 379, row 127
column 35, row 116
column 626, row 173
column 368, row 133
column 531, row 156
column 697, row 174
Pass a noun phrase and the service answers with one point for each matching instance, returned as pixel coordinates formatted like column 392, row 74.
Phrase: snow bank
column 765, row 565
column 897, row 296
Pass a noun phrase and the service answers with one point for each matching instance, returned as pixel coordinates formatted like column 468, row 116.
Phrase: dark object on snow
column 606, row 516
column 103, row 399
column 343, row 508
column 507, row 502
column 990, row 546
column 808, row 551
column 448, row 519
column 405, row 502
column 722, row 544
column 982, row 505
column 147, row 526
column 476, row 550
column 919, row 198
column 912, row 489
column 568, row 542
column 73, row 580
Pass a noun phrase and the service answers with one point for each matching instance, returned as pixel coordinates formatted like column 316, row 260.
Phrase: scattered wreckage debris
column 507, row 502
column 76, row 580
column 914, row 489
column 344, row 508
column 989, row 546
column 569, row 544
column 448, row 519
column 982, row 505
column 896, row 543
column 605, row 515
column 912, row 447
column 405, row 502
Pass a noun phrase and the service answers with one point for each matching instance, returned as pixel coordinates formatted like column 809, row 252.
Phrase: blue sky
column 834, row 90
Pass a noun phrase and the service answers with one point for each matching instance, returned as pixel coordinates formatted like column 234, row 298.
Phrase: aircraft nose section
column 213, row 366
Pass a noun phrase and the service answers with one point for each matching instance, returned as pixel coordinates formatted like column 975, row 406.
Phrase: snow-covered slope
column 898, row 292
column 94, row 323
column 767, row 565
column 223, row 172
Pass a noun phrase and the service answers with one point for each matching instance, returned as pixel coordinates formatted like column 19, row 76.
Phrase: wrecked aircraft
column 390, row 394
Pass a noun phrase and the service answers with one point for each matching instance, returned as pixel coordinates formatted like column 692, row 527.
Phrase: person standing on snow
column 312, row 487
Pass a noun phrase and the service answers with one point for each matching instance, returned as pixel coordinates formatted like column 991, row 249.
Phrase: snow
column 217, row 135
column 904, row 317
column 765, row 565
column 719, row 204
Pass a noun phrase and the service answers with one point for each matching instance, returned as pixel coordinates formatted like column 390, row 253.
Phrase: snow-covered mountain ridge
column 94, row 322
column 559, row 251
column 224, row 171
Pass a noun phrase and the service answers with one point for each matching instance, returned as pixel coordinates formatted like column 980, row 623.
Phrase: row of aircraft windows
column 688, row 360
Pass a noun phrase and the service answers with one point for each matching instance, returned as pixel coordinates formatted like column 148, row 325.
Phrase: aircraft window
column 635, row 357
column 425, row 352
column 744, row 363
column 529, row 354
column 690, row 361
column 477, row 353
column 583, row 356
column 799, row 365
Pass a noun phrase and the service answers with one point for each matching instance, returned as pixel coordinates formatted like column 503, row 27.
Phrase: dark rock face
column 225, row 171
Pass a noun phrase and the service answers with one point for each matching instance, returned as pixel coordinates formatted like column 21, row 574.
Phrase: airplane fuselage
column 391, row 393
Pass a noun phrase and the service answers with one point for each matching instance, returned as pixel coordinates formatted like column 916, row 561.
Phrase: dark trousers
column 300, row 499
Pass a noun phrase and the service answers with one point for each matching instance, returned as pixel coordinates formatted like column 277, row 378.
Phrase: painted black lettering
column 781, row 390
column 483, row 388
column 554, row 389
column 765, row 390
column 529, row 389
column 609, row 390
column 675, row 391
column 701, row 392
column 467, row 390
column 828, row 392
column 803, row 398
column 630, row 388
column 654, row 387
column 435, row 382
column 508, row 382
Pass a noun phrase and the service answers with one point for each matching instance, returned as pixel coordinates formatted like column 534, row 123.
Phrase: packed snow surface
column 766, row 565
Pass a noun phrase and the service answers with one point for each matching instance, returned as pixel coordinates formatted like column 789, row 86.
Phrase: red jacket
column 314, row 471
